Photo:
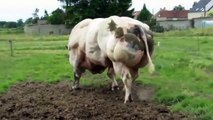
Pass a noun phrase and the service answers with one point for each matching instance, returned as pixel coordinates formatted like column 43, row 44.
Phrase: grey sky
column 12, row 10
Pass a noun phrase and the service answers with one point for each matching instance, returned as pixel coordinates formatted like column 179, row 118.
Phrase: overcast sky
column 12, row 10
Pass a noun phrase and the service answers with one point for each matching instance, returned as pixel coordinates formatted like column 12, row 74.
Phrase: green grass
column 184, row 74
column 183, row 61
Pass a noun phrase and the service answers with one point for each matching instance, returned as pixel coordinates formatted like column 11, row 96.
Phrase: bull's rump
column 126, row 54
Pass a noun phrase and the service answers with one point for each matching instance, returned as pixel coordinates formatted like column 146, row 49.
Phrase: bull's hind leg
column 111, row 75
column 75, row 59
column 76, row 80
column 77, row 75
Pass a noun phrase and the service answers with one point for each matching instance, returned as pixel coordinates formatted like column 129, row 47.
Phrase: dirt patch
column 32, row 100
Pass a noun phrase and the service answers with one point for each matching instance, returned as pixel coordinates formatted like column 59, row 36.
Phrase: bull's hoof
column 115, row 88
column 128, row 100
column 75, row 87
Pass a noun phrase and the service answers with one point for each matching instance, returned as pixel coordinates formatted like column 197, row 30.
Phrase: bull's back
column 78, row 32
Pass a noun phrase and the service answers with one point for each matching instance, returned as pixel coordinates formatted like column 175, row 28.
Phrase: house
column 164, row 14
column 200, row 9
column 196, row 17
column 173, row 19
column 43, row 28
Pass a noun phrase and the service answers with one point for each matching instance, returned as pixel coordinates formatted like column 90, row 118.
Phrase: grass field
column 183, row 77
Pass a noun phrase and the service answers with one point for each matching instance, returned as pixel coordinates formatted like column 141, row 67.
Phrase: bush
column 157, row 28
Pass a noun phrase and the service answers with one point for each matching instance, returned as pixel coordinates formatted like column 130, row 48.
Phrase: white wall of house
column 201, row 22
column 192, row 15
column 175, row 24
column 46, row 29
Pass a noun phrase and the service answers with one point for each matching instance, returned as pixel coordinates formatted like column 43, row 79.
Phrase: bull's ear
column 112, row 25
column 119, row 32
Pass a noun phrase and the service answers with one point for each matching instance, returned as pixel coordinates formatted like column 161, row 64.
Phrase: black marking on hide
column 133, row 42
column 119, row 32
column 136, row 31
column 131, row 56
column 112, row 25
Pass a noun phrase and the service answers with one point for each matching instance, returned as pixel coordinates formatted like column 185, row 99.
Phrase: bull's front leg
column 127, row 80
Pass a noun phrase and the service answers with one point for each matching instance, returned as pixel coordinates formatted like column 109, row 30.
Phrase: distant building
column 164, row 14
column 43, row 28
column 173, row 19
column 200, row 9
column 196, row 17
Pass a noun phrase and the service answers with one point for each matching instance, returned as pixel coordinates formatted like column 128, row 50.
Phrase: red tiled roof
column 173, row 14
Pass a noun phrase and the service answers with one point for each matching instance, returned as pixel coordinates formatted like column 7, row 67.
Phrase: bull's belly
column 94, row 66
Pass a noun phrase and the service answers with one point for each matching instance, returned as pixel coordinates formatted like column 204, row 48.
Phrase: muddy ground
column 33, row 100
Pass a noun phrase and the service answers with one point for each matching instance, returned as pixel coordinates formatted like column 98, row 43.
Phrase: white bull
column 121, row 44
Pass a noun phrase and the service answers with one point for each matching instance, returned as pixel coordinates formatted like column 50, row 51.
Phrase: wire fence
column 11, row 47
column 6, row 45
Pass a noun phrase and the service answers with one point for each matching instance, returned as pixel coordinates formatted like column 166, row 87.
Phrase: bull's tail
column 151, row 66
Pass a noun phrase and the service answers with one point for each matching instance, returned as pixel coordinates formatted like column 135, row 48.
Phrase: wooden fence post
column 11, row 47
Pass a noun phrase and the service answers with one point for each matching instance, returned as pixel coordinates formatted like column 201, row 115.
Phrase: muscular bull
column 120, row 44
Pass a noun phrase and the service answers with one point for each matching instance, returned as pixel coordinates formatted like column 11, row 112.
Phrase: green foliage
column 29, row 21
column 77, row 10
column 10, row 25
column 210, row 13
column 35, row 16
column 46, row 15
column 57, row 17
column 178, row 8
column 146, row 17
column 157, row 28
column 35, row 13
column 18, row 24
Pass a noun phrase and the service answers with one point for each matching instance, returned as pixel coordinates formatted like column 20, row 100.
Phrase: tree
column 77, row 10
column 57, row 17
column 178, row 8
column 46, row 15
column 35, row 16
column 10, row 25
column 29, row 21
column 20, row 23
column 144, row 15
column 2, row 24
column 195, row 3
column 210, row 13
